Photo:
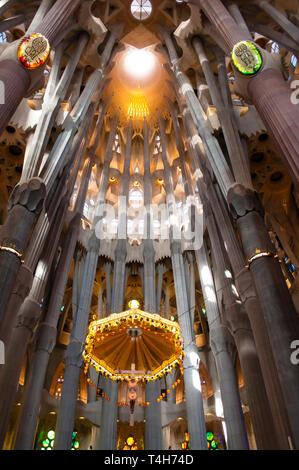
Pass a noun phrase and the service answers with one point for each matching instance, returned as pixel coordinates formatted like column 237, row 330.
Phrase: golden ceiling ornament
column 152, row 343
column 34, row 51
column 138, row 108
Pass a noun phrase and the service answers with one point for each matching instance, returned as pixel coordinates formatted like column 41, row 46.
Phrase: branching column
column 108, row 437
column 16, row 79
column 73, row 358
column 194, row 403
column 222, row 345
column 267, row 89
column 253, row 306
column 277, row 305
column 47, row 332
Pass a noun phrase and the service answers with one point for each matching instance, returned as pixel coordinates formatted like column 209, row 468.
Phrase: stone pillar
column 16, row 79
column 194, row 403
column 66, row 415
column 244, row 284
column 41, row 12
column 278, row 309
column 108, row 438
column 39, row 234
column 153, row 425
column 209, row 142
column 290, row 28
column 161, row 270
column 225, row 113
column 55, row 93
column 234, row 10
column 27, row 320
column 46, row 336
column 26, row 200
column 222, row 345
column 266, row 89
column 167, row 310
column 239, row 324
column 108, row 268
column 25, row 204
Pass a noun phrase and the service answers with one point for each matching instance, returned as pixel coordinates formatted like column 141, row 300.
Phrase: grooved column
column 73, row 358
column 276, row 302
column 222, row 345
column 267, row 89
column 108, row 438
column 194, row 403
column 46, row 335
column 153, row 425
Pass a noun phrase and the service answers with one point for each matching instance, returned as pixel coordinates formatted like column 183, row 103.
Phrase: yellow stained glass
column 138, row 108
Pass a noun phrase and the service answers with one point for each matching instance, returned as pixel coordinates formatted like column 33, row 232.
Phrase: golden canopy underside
column 156, row 347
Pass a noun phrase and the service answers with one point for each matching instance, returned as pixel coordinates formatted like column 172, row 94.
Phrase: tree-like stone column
column 290, row 28
column 244, row 282
column 47, row 332
column 222, row 343
column 240, row 327
column 108, row 438
column 27, row 320
column 225, row 113
column 15, row 78
column 25, row 204
column 153, row 426
column 279, row 311
column 194, row 403
column 266, row 89
column 74, row 359
column 222, row 346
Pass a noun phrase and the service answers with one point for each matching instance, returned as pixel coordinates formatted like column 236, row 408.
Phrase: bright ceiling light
column 139, row 63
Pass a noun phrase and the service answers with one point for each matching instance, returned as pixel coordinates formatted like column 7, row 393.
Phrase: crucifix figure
column 133, row 386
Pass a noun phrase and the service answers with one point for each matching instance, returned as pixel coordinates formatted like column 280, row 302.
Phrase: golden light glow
column 112, row 180
column 160, row 181
column 130, row 441
column 139, row 63
column 134, row 304
column 138, row 108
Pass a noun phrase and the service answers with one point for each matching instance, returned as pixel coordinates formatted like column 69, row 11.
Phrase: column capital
column 29, row 314
column 242, row 200
column 221, row 340
column 46, row 337
column 73, row 355
column 244, row 285
column 237, row 318
column 30, row 195
column 23, row 282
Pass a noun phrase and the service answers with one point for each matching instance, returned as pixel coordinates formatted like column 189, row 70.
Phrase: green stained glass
column 51, row 435
column 246, row 58
column 46, row 443
column 210, row 436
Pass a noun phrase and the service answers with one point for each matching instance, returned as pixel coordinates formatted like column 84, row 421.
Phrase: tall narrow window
column 116, row 145
column 158, row 147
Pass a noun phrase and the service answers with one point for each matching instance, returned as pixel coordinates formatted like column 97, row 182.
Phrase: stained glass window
column 141, row 9
column 211, row 441
column 294, row 61
column 130, row 444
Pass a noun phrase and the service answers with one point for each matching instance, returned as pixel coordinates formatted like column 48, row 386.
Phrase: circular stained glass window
column 141, row 9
